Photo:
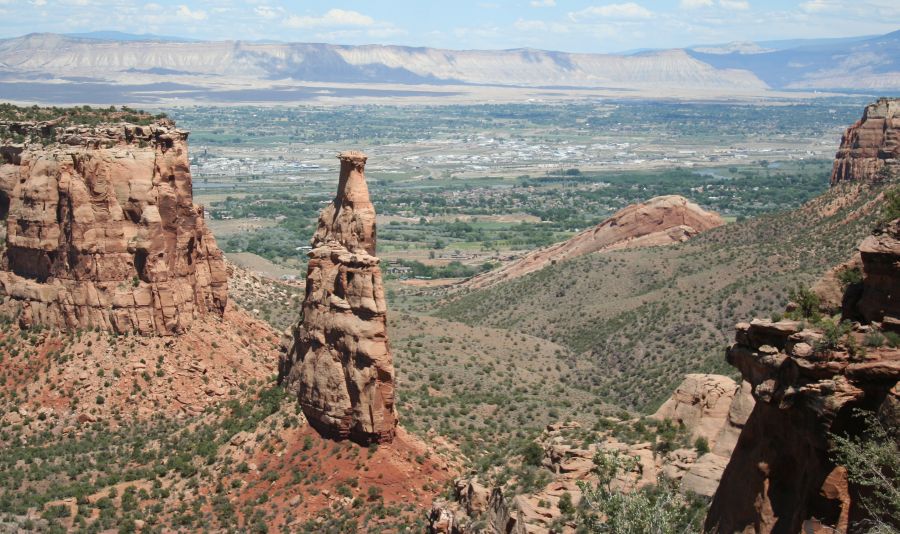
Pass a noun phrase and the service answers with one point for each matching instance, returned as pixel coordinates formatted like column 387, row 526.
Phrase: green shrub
column 872, row 459
column 659, row 509
column 850, row 276
column 701, row 444
column 807, row 302
column 874, row 339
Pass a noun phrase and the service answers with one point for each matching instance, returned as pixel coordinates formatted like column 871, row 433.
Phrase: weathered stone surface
column 870, row 149
column 781, row 477
column 101, row 231
column 880, row 253
column 701, row 402
column 339, row 363
column 659, row 221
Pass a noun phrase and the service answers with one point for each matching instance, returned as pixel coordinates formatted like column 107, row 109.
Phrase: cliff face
column 781, row 477
column 659, row 221
column 870, row 149
column 101, row 230
column 339, row 363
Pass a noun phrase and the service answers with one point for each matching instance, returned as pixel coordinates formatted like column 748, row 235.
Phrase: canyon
column 120, row 325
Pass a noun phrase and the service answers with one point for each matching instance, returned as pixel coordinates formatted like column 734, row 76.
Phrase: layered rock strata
column 870, row 149
column 782, row 477
column 659, row 221
column 339, row 361
column 101, row 230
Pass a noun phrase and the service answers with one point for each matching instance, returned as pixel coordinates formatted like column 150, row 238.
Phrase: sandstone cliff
column 782, row 476
column 870, row 149
column 339, row 362
column 101, row 229
column 659, row 221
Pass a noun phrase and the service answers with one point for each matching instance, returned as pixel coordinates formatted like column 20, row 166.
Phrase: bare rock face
column 781, row 477
column 701, row 402
column 880, row 298
column 870, row 149
column 659, row 221
column 101, row 230
column 339, row 362
column 712, row 407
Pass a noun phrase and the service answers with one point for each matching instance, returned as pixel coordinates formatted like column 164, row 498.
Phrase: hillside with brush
column 653, row 315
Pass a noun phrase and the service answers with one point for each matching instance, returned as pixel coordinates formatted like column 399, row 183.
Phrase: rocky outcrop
column 879, row 300
column 782, row 477
column 712, row 407
column 101, row 230
column 659, row 221
column 870, row 149
column 339, row 361
column 709, row 406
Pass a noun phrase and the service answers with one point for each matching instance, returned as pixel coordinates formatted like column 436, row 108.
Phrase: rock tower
column 339, row 361
column 870, row 149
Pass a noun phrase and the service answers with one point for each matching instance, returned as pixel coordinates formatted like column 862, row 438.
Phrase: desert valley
column 284, row 287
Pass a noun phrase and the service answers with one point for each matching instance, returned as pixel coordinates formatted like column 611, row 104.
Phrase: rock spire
column 339, row 361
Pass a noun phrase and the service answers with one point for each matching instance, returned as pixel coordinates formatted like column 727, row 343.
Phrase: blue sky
column 569, row 25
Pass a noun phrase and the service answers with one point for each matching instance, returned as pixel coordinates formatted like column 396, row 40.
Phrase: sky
column 566, row 25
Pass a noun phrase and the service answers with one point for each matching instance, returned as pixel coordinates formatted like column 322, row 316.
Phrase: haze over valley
column 543, row 267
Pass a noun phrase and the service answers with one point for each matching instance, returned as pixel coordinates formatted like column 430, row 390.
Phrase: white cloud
column 543, row 3
column 740, row 5
column 39, row 3
column 814, row 6
column 188, row 13
column 694, row 4
column 530, row 25
column 333, row 17
column 628, row 10
column 268, row 12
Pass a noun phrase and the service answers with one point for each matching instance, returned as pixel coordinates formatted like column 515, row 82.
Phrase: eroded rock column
column 339, row 363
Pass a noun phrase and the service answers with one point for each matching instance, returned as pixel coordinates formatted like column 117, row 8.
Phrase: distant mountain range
column 39, row 65
column 864, row 63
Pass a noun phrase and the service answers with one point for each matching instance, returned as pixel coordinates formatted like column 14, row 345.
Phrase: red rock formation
column 340, row 363
column 659, row 221
column 101, row 230
column 870, row 149
column 781, row 477
column 880, row 299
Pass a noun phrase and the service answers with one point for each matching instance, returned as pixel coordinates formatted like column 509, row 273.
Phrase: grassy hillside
column 640, row 319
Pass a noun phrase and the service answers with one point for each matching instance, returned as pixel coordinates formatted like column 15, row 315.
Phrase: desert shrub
column 848, row 277
column 659, row 509
column 833, row 332
column 890, row 210
column 874, row 339
column 701, row 445
column 807, row 302
column 872, row 459
column 892, row 338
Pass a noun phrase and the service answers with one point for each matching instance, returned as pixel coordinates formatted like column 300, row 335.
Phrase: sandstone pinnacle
column 339, row 363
